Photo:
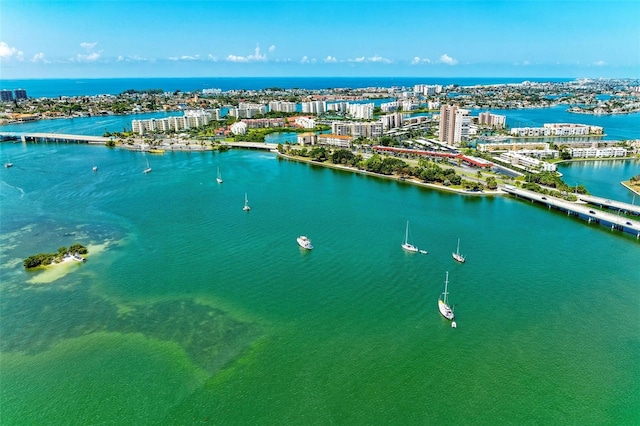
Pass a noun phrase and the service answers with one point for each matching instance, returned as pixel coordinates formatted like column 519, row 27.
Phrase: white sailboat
column 148, row 169
column 8, row 164
column 219, row 178
column 457, row 256
column 246, row 207
column 443, row 302
column 406, row 245
column 95, row 168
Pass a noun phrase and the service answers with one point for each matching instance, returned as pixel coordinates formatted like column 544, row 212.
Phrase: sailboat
column 95, row 168
column 8, row 164
column 246, row 207
column 443, row 302
column 406, row 245
column 148, row 169
column 457, row 256
column 219, row 178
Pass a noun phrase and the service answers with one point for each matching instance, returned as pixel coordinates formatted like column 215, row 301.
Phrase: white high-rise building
column 454, row 124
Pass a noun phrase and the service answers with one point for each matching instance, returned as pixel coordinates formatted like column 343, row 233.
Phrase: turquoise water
column 191, row 310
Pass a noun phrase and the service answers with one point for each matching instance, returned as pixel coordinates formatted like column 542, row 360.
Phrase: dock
column 583, row 211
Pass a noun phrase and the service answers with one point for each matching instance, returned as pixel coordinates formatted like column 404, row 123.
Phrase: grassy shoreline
column 396, row 178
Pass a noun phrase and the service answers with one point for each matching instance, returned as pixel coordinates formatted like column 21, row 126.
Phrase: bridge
column 55, row 138
column 583, row 211
column 252, row 145
column 610, row 204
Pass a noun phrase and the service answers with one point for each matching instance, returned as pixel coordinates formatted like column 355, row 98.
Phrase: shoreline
column 628, row 185
column 392, row 177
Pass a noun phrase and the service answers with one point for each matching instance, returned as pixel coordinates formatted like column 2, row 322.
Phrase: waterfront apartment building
column 368, row 129
column 454, row 124
column 492, row 120
column 389, row 106
column 308, row 138
column 305, row 122
column 262, row 123
column 191, row 119
column 6, row 95
column 512, row 146
column 20, row 94
column 361, row 111
column 314, row 107
column 238, row 128
column 427, row 89
column 557, row 129
column 391, row 121
column 592, row 152
column 247, row 110
column 282, row 106
column 527, row 163
column 341, row 141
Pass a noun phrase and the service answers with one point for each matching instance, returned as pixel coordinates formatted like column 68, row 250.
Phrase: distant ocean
column 51, row 88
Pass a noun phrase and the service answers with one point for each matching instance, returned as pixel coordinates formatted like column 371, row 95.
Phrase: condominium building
column 527, row 163
column 369, row 129
column 238, row 128
column 391, row 121
column 341, row 141
column 314, row 107
column 305, row 122
column 6, row 95
column 598, row 153
column 454, row 124
column 361, row 111
column 557, row 129
column 20, row 94
column 191, row 119
column 493, row 120
column 308, row 138
column 282, row 106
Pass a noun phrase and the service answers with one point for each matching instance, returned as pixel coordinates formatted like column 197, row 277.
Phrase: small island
column 64, row 254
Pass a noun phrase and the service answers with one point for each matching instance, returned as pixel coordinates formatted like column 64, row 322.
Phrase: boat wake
column 14, row 187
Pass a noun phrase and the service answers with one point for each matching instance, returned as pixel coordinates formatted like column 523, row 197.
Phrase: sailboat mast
column 406, row 234
column 446, row 285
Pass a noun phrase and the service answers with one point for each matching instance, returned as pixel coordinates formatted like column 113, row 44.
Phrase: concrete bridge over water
column 583, row 211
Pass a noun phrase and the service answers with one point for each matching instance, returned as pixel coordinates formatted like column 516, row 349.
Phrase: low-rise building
column 308, row 138
column 341, row 141
column 527, row 163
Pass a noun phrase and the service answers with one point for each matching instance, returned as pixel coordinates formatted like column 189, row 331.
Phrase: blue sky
column 209, row 38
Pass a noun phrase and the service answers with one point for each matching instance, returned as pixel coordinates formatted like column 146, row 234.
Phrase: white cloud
column 8, row 52
column 39, row 57
column 418, row 60
column 87, row 45
column 360, row 59
column 305, row 60
column 257, row 56
column 272, row 48
column 185, row 58
column 599, row 63
column 378, row 58
column 446, row 59
column 330, row 59
column 90, row 57
column 212, row 58
column 134, row 58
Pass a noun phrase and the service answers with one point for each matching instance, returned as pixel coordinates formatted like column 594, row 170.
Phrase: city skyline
column 85, row 39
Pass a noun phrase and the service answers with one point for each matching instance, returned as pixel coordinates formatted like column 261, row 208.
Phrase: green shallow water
column 191, row 310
